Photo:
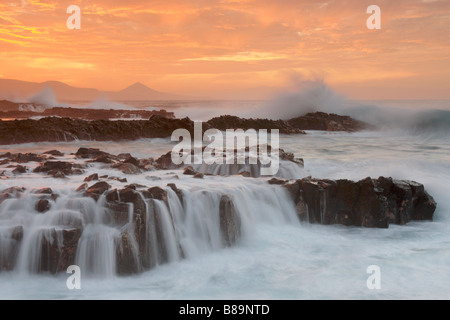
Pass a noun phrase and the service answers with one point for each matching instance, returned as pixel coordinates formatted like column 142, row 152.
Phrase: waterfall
column 107, row 239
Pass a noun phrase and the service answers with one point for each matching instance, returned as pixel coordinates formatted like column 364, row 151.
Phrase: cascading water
column 79, row 230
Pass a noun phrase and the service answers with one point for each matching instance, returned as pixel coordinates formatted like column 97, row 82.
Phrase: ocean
column 277, row 257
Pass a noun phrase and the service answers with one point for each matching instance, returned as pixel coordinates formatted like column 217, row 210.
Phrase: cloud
column 50, row 63
column 151, row 41
column 242, row 57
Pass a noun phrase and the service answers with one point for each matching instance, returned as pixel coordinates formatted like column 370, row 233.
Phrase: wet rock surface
column 159, row 126
column 372, row 203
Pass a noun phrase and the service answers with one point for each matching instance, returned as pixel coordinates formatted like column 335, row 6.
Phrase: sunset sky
column 213, row 48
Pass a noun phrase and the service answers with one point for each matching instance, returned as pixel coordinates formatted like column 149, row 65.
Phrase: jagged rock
column 92, row 177
column 71, row 129
column 230, row 222
column 128, row 168
column 123, row 156
column 19, row 169
column 10, row 248
column 55, row 153
column 82, row 188
column 165, row 162
column 135, row 186
column 42, row 205
column 27, row 157
column 127, row 256
column 373, row 203
column 119, row 212
column 276, row 181
column 139, row 222
column 57, row 174
column 104, row 158
column 128, row 195
column 58, row 249
column 225, row 122
column 132, row 160
column 147, row 164
column 90, row 153
column 327, row 122
column 96, row 190
column 14, row 191
column 189, row 171
column 199, row 175
column 44, row 191
column 156, row 193
column 123, row 180
column 112, row 195
column 179, row 193
column 55, row 166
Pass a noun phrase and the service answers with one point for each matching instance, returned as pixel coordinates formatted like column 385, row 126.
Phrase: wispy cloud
column 242, row 57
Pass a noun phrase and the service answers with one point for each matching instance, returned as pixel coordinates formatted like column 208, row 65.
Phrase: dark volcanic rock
column 179, row 193
column 25, row 157
column 165, row 162
column 276, row 181
column 104, row 158
column 156, row 193
column 112, row 195
column 127, row 256
column 57, row 249
column 70, row 129
column 327, row 122
column 42, row 206
column 19, row 169
column 128, row 168
column 132, row 160
column 189, row 171
column 44, row 191
column 90, row 153
column 98, row 189
column 55, row 153
column 232, row 122
column 230, row 222
column 10, row 247
column 82, row 187
column 55, row 166
column 67, row 129
column 92, row 177
column 373, row 203
column 199, row 175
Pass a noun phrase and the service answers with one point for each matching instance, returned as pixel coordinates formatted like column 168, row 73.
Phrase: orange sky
column 210, row 48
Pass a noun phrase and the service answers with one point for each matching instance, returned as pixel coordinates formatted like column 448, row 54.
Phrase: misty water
column 277, row 257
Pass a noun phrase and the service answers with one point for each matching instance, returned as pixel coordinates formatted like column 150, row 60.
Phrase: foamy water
column 278, row 258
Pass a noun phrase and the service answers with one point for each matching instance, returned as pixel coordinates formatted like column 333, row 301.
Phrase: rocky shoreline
column 20, row 112
column 53, row 129
column 136, row 210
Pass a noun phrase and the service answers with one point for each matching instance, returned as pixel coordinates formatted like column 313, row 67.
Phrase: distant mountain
column 16, row 90
column 139, row 91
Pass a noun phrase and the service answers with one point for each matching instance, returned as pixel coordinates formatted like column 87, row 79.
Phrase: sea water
column 278, row 257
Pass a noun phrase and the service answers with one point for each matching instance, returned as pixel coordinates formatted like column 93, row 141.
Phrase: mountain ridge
column 18, row 90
